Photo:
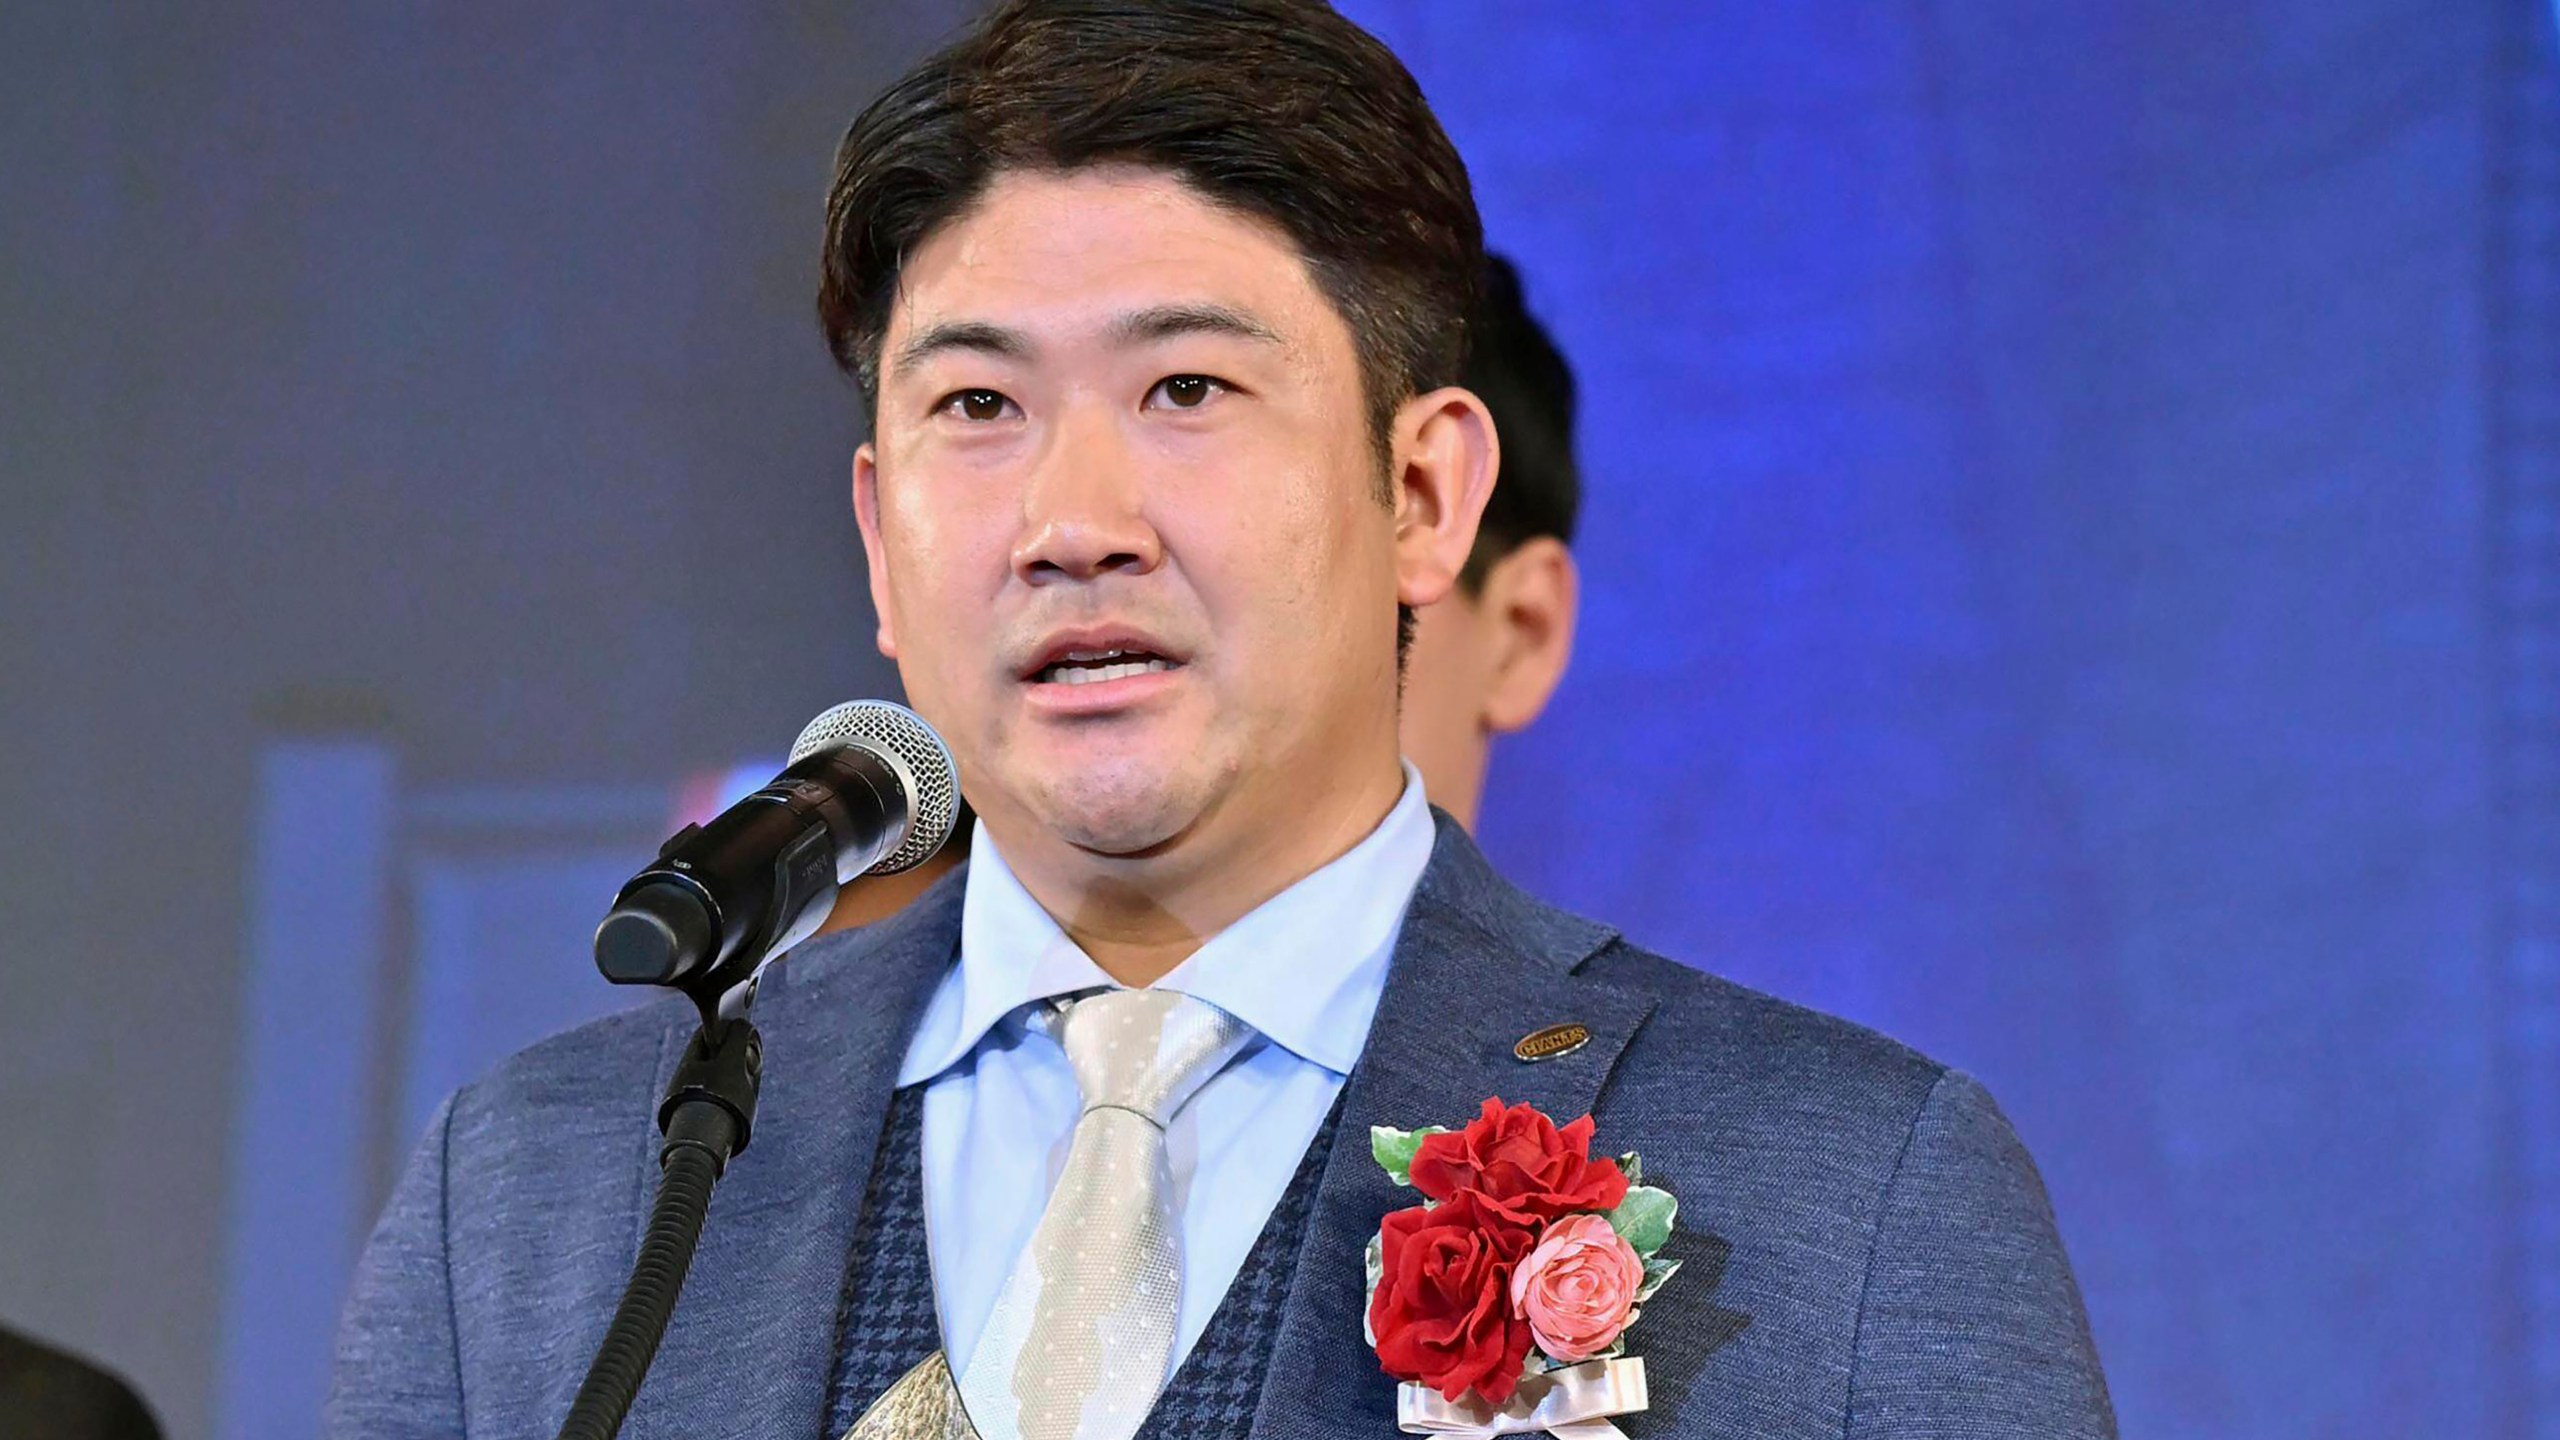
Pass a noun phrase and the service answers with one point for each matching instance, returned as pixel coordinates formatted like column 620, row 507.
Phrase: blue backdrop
column 2059, row 477
column 2073, row 580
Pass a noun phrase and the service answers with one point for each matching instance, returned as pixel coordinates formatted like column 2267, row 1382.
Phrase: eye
column 1184, row 392
column 975, row 404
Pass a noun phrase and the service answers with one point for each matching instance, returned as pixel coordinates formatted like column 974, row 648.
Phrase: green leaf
column 1394, row 1148
column 1633, row 1167
column 1644, row 1217
column 1657, row 1271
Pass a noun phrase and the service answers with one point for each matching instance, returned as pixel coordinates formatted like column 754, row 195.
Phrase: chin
column 1127, row 814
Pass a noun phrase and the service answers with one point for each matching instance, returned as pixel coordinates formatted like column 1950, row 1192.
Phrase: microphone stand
column 709, row 1109
column 788, row 843
column 707, row 1114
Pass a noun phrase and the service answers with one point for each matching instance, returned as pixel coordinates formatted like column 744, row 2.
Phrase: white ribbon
column 1573, row 1403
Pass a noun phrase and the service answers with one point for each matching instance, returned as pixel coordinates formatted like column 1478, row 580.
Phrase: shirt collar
column 1304, row 968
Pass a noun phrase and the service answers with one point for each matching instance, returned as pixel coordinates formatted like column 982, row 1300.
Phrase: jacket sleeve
column 397, row 1374
column 1970, row 1324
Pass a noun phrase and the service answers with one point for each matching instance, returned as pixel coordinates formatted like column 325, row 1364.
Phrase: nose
column 1084, row 508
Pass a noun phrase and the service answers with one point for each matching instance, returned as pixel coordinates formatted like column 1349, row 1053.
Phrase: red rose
column 1526, row 1169
column 1442, row 1314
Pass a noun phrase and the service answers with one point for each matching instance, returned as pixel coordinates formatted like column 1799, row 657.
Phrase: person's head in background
column 1484, row 660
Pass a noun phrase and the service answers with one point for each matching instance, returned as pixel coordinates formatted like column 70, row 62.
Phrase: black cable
column 706, row 1118
column 631, row 1342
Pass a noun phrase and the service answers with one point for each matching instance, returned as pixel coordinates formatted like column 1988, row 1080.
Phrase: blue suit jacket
column 1869, row 1250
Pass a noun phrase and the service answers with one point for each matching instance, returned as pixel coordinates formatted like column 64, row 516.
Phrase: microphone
column 870, row 790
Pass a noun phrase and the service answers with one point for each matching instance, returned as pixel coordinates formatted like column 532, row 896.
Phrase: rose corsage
column 1502, row 1301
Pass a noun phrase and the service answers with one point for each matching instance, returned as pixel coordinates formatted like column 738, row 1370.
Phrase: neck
column 1140, row 916
column 872, row 898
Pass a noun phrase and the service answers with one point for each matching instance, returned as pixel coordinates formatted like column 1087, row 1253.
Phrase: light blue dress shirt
column 1304, row 969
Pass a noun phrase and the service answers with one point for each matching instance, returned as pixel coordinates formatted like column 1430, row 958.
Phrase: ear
column 866, row 516
column 1530, row 598
column 1445, row 457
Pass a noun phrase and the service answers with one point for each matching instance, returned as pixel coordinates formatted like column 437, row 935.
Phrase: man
column 1157, row 307
column 1484, row 660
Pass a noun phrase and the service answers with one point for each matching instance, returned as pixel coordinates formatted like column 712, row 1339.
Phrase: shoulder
column 1846, row 1189
column 598, row 1083
column 1721, row 1068
column 571, row 1082
column 1705, row 1027
column 1711, row 1057
column 1857, row 1198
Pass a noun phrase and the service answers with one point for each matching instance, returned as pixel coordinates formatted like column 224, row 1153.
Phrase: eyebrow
column 1138, row 327
column 1163, row 322
column 975, row 335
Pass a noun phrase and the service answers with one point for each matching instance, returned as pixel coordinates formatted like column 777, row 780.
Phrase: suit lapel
column 753, row 1342
column 1478, row 966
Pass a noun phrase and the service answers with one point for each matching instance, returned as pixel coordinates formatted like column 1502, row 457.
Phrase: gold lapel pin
column 1553, row 1041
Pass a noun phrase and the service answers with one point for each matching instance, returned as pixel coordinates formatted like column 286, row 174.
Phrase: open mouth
column 1092, row 667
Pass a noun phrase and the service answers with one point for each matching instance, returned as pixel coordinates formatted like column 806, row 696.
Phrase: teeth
column 1087, row 673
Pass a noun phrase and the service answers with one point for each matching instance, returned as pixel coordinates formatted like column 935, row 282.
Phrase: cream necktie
column 1082, row 1333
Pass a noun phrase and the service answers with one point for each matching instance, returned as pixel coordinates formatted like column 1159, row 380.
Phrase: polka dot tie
column 1082, row 1334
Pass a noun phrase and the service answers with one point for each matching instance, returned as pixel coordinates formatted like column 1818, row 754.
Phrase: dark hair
column 1513, row 365
column 1280, row 109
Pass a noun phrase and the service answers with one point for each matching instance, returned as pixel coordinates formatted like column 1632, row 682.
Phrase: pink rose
column 1577, row 1287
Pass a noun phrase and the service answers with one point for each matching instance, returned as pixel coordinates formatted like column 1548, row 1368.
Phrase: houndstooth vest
column 886, row 1322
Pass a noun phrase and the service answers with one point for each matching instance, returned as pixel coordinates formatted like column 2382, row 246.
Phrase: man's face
column 1123, row 515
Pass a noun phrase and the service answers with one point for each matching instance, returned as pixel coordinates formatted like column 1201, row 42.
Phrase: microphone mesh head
column 902, row 734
